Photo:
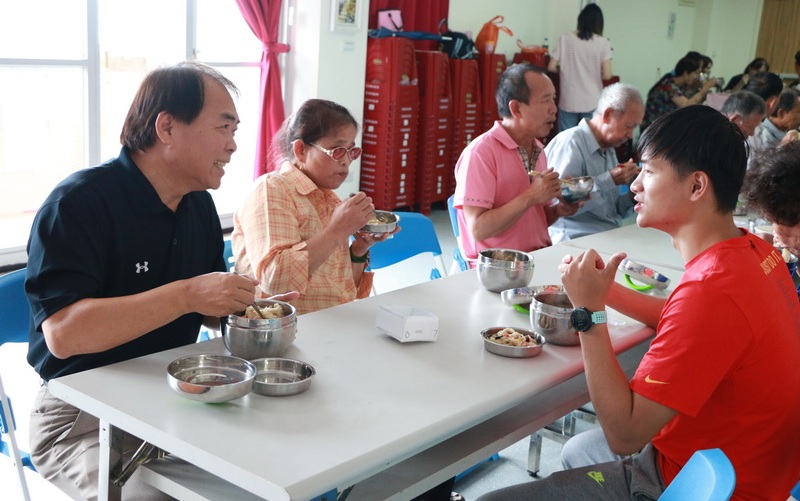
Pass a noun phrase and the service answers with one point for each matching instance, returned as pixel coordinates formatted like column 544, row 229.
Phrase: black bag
column 455, row 44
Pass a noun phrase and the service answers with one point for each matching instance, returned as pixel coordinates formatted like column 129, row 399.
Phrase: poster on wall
column 345, row 15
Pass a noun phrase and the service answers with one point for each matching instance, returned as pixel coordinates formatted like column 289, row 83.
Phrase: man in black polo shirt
column 125, row 259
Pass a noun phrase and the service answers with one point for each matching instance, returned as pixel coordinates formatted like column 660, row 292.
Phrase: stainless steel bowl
column 576, row 189
column 281, row 377
column 502, row 269
column 252, row 338
column 383, row 227
column 550, row 311
column 505, row 350
column 211, row 378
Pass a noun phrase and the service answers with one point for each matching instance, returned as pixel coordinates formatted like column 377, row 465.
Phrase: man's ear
column 513, row 107
column 164, row 124
column 772, row 103
column 700, row 185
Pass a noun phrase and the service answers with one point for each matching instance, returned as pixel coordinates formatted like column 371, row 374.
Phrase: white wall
column 331, row 65
column 326, row 64
column 726, row 30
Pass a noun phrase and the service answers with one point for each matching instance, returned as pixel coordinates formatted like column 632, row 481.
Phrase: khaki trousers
column 65, row 445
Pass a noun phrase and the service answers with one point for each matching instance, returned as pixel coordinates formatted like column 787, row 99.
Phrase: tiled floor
column 511, row 468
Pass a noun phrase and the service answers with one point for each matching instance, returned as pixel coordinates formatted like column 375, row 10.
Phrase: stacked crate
column 491, row 66
column 467, row 123
column 391, row 113
column 434, row 146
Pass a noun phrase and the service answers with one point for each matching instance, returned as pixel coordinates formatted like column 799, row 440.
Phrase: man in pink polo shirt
column 504, row 190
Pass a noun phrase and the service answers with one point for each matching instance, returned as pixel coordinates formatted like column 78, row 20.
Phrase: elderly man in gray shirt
column 588, row 150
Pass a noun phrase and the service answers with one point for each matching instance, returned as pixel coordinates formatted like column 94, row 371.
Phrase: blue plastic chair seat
column 417, row 236
column 707, row 476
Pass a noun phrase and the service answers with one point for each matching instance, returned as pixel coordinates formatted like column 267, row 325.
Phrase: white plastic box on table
column 407, row 323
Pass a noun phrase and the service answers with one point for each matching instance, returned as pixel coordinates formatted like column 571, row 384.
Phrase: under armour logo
column 142, row 268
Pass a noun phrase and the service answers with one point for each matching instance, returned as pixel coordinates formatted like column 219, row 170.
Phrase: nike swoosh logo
column 647, row 379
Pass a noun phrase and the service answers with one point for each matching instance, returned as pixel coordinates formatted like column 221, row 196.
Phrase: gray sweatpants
column 65, row 445
column 635, row 478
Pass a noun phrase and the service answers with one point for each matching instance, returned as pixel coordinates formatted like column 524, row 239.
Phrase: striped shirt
column 270, row 231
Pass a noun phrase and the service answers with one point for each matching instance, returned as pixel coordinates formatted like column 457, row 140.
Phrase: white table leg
column 110, row 462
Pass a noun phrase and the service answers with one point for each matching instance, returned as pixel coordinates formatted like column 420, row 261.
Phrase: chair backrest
column 14, row 318
column 458, row 257
column 417, row 236
column 707, row 476
column 13, row 308
column 227, row 254
column 795, row 493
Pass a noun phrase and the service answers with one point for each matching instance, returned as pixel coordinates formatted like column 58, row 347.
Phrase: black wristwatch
column 583, row 319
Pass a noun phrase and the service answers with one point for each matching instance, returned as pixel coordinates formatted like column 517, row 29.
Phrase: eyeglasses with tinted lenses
column 339, row 153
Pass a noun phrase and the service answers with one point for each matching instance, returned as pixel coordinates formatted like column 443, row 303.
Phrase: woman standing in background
column 583, row 59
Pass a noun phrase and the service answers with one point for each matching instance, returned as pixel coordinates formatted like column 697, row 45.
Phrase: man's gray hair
column 618, row 97
column 744, row 103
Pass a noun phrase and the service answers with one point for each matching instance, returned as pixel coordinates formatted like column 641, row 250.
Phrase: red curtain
column 418, row 15
column 263, row 16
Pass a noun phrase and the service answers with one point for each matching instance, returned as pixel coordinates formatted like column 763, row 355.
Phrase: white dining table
column 391, row 419
column 643, row 245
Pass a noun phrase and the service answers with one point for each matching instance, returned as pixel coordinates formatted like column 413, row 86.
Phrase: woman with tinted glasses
column 292, row 232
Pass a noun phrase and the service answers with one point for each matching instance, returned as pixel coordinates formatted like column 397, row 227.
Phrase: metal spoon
column 258, row 310
column 382, row 217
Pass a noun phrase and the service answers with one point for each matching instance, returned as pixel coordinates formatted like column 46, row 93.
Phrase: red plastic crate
column 434, row 163
column 491, row 66
column 391, row 60
column 435, row 93
column 466, row 125
column 465, row 80
column 390, row 125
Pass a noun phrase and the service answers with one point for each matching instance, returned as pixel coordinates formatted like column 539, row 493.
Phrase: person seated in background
column 716, row 340
column 768, row 86
column 745, row 109
column 771, row 188
column 504, row 191
column 292, row 231
column 668, row 94
column 775, row 129
column 706, row 63
column 757, row 65
column 588, row 150
column 125, row 260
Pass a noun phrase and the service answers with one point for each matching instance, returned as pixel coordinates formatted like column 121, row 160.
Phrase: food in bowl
column 267, row 312
column 502, row 269
column 576, row 189
column 531, row 344
column 511, row 337
column 252, row 338
column 382, row 222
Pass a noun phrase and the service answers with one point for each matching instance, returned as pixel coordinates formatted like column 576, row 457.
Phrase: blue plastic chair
column 14, row 317
column 795, row 494
column 227, row 254
column 707, row 476
column 458, row 257
column 417, row 236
